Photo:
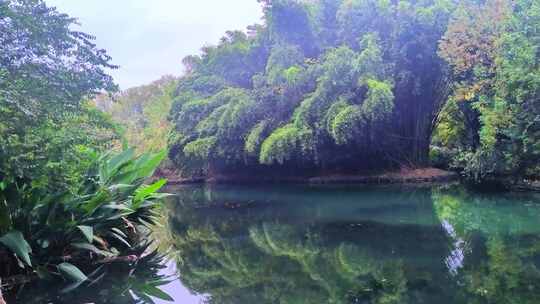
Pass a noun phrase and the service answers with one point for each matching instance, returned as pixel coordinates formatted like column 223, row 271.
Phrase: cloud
column 148, row 39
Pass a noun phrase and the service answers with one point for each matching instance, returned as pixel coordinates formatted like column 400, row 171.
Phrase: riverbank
column 403, row 176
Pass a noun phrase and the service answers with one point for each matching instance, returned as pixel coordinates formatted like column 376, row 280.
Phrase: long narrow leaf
column 92, row 248
column 147, row 190
column 157, row 293
column 118, row 161
column 14, row 240
column 71, row 272
column 147, row 169
column 88, row 232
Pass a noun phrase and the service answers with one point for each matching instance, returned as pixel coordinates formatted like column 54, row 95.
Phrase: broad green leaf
column 119, row 160
column 129, row 176
column 145, row 223
column 146, row 190
column 71, row 272
column 98, row 199
column 147, row 168
column 120, row 188
column 118, row 215
column 116, row 206
column 15, row 241
column 88, row 232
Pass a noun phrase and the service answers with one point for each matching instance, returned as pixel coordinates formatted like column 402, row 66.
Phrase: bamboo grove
column 338, row 86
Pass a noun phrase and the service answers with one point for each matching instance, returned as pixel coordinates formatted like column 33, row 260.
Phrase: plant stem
column 2, row 301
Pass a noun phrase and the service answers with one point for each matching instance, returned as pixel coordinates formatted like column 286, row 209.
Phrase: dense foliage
column 79, row 238
column 322, row 85
column 142, row 112
column 339, row 86
column 47, row 72
column 491, row 123
column 68, row 217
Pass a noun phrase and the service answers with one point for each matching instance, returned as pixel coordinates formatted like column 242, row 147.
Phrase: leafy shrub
column 73, row 236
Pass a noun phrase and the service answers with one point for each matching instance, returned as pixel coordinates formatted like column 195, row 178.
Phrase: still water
column 332, row 244
column 320, row 244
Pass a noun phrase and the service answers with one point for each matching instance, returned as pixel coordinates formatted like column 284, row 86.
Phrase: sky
column 149, row 38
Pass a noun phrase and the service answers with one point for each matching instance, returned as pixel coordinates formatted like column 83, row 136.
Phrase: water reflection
column 116, row 283
column 504, row 235
column 301, row 244
column 343, row 245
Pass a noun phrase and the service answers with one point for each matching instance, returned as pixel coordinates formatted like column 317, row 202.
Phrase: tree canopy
column 48, row 70
column 321, row 84
column 357, row 85
column 495, row 109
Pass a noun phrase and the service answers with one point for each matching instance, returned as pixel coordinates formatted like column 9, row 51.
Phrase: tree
column 47, row 72
column 142, row 112
column 493, row 49
column 322, row 84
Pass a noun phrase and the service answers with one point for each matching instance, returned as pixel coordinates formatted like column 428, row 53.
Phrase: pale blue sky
column 149, row 38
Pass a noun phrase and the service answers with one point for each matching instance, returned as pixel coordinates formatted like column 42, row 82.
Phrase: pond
column 350, row 244
column 338, row 244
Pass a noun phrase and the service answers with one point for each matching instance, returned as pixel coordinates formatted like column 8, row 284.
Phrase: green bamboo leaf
column 72, row 273
column 14, row 240
column 88, row 232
